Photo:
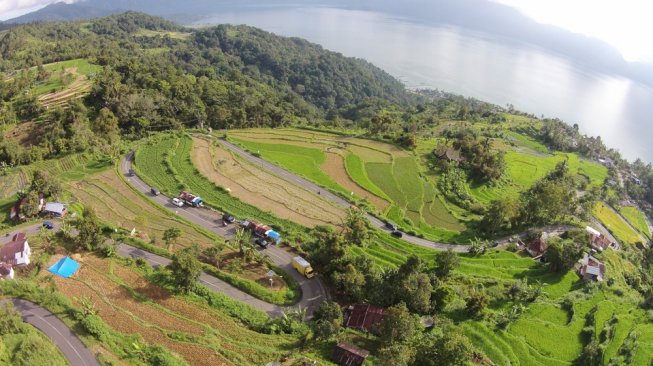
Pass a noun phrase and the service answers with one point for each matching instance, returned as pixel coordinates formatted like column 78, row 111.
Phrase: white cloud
column 625, row 24
column 13, row 8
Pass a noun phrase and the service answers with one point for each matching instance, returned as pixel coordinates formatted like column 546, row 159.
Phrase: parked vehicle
column 155, row 191
column 302, row 266
column 191, row 199
column 261, row 231
column 397, row 233
column 227, row 218
column 177, row 202
column 389, row 225
column 131, row 172
column 262, row 243
column 48, row 225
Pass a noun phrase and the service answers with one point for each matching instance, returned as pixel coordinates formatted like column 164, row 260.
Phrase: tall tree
column 89, row 230
column 170, row 236
column 446, row 262
column 398, row 325
column 185, row 268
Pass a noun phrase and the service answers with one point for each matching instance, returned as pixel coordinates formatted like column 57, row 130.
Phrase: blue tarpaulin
column 273, row 235
column 65, row 267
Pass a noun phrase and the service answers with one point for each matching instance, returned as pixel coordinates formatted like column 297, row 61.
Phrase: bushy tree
column 476, row 303
column 328, row 319
column 358, row 231
column 170, row 236
column 446, row 262
column 562, row 254
column 44, row 182
column 89, row 230
column 450, row 348
column 398, row 325
column 185, row 268
column 397, row 354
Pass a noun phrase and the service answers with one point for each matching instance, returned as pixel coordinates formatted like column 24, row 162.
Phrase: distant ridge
column 58, row 12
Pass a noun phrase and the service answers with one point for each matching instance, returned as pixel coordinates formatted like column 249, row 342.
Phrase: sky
column 624, row 24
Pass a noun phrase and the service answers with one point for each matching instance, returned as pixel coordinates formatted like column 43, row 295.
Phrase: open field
column 200, row 334
column 617, row 226
column 68, row 80
column 116, row 203
column 259, row 188
column 636, row 219
column 388, row 177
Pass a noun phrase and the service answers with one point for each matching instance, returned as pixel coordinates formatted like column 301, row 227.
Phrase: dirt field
column 115, row 202
column 264, row 190
column 77, row 89
column 203, row 336
column 334, row 166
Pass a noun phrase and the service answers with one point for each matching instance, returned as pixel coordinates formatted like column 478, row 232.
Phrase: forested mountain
column 153, row 75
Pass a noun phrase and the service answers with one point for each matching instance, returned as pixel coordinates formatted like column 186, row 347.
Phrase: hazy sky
column 625, row 24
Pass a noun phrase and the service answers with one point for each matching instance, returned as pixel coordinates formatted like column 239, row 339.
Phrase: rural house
column 6, row 271
column 599, row 241
column 449, row 154
column 55, row 209
column 363, row 316
column 346, row 354
column 16, row 252
column 591, row 268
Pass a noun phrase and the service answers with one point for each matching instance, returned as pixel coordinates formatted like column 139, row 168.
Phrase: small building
column 591, row 269
column 16, row 252
column 449, row 154
column 537, row 248
column 346, row 354
column 55, row 209
column 599, row 241
column 363, row 316
column 6, row 271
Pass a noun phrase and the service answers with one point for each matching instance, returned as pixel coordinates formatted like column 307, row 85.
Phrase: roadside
column 313, row 291
column 73, row 349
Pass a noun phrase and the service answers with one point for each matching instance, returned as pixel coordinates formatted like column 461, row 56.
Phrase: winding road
column 310, row 186
column 313, row 291
column 72, row 348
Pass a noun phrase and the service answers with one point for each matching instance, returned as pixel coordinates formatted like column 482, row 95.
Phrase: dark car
column 397, row 233
column 48, row 225
column 155, row 191
column 390, row 226
column 229, row 219
column 131, row 172
column 262, row 243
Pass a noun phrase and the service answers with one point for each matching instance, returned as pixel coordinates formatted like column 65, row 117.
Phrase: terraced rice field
column 200, row 334
column 386, row 176
column 617, row 226
column 636, row 219
column 259, row 188
column 55, row 91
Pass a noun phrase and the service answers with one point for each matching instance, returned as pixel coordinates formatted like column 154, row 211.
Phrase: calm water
column 616, row 108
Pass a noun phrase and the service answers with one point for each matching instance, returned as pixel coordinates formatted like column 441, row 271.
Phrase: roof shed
column 65, row 267
column 346, row 354
column 56, row 208
column 364, row 316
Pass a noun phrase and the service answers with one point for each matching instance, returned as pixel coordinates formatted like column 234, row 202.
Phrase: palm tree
column 242, row 238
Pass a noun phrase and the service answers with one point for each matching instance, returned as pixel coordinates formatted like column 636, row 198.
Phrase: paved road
column 291, row 177
column 313, row 291
column 72, row 348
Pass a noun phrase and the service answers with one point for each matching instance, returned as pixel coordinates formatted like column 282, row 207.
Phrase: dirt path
column 262, row 189
column 334, row 167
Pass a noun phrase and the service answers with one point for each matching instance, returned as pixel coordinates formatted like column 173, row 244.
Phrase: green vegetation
column 617, row 226
column 637, row 219
column 23, row 345
column 357, row 172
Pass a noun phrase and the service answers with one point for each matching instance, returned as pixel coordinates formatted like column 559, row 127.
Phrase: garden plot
column 616, row 225
column 130, row 304
column 268, row 192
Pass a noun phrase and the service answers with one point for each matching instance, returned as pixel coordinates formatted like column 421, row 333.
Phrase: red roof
column 364, row 316
column 537, row 247
column 346, row 354
column 600, row 241
column 8, row 251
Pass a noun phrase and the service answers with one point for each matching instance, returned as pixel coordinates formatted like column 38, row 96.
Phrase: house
column 346, row 354
column 55, row 209
column 591, row 268
column 449, row 154
column 16, row 252
column 363, row 316
column 6, row 271
column 537, row 248
column 599, row 241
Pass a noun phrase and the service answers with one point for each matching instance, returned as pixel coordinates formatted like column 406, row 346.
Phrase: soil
column 262, row 189
column 334, row 167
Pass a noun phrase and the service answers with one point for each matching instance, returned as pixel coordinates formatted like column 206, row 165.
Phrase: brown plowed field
column 262, row 189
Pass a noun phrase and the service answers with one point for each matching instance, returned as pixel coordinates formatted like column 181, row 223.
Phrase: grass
column 56, row 80
column 356, row 170
column 617, row 226
column 636, row 219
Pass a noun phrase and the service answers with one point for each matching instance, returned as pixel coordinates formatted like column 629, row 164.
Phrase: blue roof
column 65, row 267
column 273, row 234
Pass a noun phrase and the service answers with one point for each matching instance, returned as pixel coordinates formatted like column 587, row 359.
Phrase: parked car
column 397, row 233
column 227, row 218
column 48, row 225
column 131, row 172
column 177, row 202
column 390, row 226
column 155, row 191
column 262, row 243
